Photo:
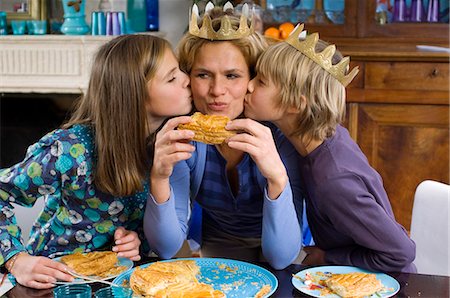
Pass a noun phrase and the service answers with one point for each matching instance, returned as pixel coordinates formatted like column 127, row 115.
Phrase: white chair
column 430, row 228
column 26, row 216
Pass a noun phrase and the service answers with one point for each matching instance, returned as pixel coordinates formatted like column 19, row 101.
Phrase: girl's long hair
column 114, row 108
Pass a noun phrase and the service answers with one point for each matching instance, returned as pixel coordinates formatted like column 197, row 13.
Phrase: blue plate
column 122, row 262
column 391, row 285
column 234, row 278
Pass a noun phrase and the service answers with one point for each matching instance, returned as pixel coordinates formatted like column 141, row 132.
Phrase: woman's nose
column 217, row 87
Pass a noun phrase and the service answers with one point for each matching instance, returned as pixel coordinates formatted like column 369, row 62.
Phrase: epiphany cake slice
column 171, row 279
column 355, row 284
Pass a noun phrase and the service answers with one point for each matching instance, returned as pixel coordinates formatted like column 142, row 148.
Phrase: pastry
column 209, row 129
column 99, row 263
column 171, row 279
column 355, row 284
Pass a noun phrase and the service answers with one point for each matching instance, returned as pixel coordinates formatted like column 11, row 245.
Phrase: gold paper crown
column 226, row 31
column 324, row 58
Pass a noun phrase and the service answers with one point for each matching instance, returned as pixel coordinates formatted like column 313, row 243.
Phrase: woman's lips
column 217, row 106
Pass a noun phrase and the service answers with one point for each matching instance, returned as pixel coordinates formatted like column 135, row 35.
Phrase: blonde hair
column 297, row 75
column 114, row 107
column 251, row 46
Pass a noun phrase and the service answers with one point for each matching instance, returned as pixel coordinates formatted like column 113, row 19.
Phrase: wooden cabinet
column 360, row 22
column 398, row 112
column 398, row 105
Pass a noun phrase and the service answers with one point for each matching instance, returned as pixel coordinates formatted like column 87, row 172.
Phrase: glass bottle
column 399, row 11
column 433, row 11
column 417, row 12
column 137, row 20
column 152, row 15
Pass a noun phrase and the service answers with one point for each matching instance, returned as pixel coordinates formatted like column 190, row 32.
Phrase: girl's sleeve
column 166, row 225
column 281, row 233
column 381, row 243
column 36, row 176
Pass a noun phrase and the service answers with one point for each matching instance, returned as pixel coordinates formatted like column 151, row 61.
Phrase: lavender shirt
column 348, row 210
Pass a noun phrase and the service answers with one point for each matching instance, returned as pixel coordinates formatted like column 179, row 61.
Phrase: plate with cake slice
column 199, row 277
column 102, row 265
column 344, row 281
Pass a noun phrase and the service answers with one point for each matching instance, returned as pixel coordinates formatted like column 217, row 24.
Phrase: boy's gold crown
column 226, row 31
column 324, row 58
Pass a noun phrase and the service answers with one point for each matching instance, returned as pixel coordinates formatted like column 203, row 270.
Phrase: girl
column 93, row 172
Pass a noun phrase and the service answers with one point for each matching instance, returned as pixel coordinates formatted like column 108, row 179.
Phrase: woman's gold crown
column 307, row 47
column 226, row 31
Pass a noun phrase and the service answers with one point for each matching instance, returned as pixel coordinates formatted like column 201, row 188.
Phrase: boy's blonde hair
column 250, row 46
column 297, row 75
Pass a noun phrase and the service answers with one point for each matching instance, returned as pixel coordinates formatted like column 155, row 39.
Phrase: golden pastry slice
column 355, row 284
column 171, row 279
column 209, row 129
column 99, row 263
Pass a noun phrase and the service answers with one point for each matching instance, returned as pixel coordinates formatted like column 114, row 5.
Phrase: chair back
column 430, row 228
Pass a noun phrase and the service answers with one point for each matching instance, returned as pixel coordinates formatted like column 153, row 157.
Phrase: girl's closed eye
column 172, row 79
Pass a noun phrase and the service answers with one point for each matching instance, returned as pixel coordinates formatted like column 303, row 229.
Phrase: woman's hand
column 315, row 256
column 257, row 140
column 171, row 146
column 127, row 244
column 39, row 272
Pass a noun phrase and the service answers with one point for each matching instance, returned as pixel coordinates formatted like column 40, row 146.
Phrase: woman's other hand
column 38, row 272
column 127, row 244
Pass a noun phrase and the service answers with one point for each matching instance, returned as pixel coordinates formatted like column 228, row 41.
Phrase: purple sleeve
column 380, row 242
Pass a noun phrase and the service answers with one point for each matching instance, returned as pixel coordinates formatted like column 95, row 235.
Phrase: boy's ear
column 294, row 109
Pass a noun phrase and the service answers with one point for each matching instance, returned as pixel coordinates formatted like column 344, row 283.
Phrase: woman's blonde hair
column 297, row 75
column 250, row 46
column 114, row 107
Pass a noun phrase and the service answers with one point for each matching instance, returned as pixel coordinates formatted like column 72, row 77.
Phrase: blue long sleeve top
column 166, row 225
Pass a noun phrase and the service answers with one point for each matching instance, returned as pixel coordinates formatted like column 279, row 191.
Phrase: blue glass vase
column 152, row 15
column 74, row 22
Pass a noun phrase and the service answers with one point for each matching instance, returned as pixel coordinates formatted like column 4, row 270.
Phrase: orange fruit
column 272, row 32
column 285, row 29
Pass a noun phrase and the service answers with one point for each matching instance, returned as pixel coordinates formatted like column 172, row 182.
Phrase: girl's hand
column 257, row 140
column 171, row 146
column 127, row 244
column 39, row 272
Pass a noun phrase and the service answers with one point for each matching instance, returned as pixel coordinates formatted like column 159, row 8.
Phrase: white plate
column 122, row 262
column 392, row 286
column 236, row 279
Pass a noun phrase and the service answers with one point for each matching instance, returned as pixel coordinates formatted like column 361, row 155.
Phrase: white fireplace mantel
column 47, row 63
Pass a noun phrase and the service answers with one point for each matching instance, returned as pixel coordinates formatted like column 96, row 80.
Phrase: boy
column 300, row 87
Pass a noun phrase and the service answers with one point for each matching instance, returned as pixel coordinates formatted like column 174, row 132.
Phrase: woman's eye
column 172, row 80
column 232, row 76
column 261, row 82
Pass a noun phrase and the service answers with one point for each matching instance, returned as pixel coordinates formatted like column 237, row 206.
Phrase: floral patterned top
column 77, row 216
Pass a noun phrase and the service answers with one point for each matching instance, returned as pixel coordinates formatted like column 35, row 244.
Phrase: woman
column 93, row 172
column 245, row 196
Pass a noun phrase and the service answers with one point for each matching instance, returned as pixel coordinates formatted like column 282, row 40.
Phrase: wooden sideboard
column 398, row 112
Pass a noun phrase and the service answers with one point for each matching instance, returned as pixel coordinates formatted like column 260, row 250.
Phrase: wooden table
column 412, row 285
